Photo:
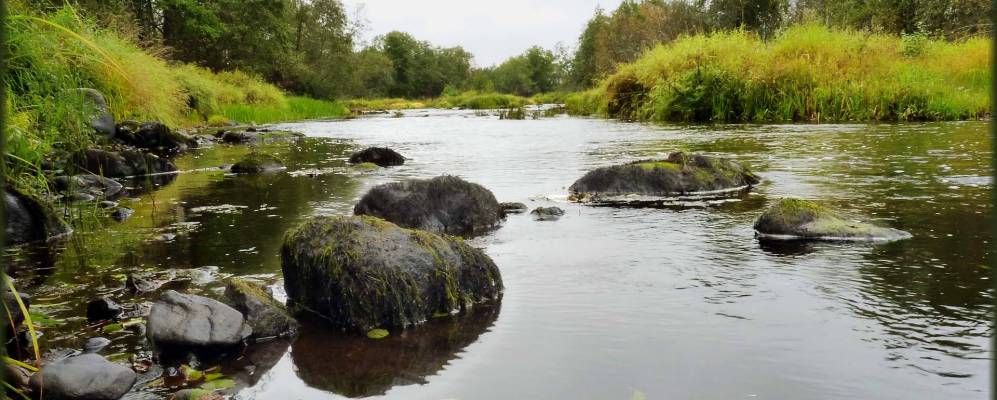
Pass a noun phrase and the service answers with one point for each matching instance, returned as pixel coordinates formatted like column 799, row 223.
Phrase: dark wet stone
column 80, row 197
column 154, row 137
column 679, row 174
column 122, row 213
column 805, row 219
column 194, row 321
column 362, row 273
column 102, row 121
column 124, row 163
column 239, row 137
column 267, row 316
column 103, row 309
column 96, row 344
column 445, row 204
column 91, row 184
column 512, row 208
column 257, row 163
column 382, row 156
column 107, row 204
column 30, row 219
column 547, row 213
column 83, row 377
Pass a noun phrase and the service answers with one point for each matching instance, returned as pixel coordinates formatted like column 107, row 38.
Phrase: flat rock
column 194, row 321
column 805, row 219
column 84, row 377
column 382, row 156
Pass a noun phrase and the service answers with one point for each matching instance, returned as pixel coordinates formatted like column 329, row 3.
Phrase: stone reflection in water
column 354, row 366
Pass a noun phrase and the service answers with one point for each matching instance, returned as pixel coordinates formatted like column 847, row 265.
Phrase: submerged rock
column 256, row 163
column 84, row 377
column 804, row 219
column 96, row 344
column 267, row 316
column 679, row 174
column 547, row 213
column 512, row 208
column 153, row 136
column 233, row 137
column 103, row 308
column 445, row 204
column 194, row 321
column 124, row 163
column 122, row 213
column 382, row 156
column 362, row 273
column 30, row 219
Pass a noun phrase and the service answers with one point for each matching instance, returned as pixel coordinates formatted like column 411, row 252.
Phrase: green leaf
column 111, row 328
column 218, row 384
column 378, row 333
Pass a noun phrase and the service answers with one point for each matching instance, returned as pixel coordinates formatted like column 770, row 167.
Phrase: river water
column 605, row 303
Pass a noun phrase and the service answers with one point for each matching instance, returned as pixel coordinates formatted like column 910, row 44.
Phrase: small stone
column 83, row 377
column 122, row 213
column 103, row 309
column 95, row 344
column 547, row 213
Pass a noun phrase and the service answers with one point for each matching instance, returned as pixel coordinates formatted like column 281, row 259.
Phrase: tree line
column 311, row 46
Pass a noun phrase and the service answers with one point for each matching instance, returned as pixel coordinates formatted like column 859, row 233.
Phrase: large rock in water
column 257, row 163
column 29, row 219
column 267, row 316
column 194, row 321
column 124, row 163
column 153, row 136
column 804, row 219
column 84, row 377
column 382, row 156
column 363, row 272
column 95, row 185
column 445, row 204
column 679, row 174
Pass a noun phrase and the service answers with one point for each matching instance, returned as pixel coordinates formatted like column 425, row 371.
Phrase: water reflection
column 355, row 366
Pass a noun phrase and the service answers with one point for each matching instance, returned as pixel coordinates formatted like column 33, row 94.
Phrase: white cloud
column 491, row 30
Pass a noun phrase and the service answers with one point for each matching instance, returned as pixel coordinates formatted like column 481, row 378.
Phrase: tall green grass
column 808, row 72
column 296, row 108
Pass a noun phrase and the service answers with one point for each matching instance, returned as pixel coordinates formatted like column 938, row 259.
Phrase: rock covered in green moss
column 267, row 316
column 679, row 174
column 382, row 156
column 256, row 163
column 30, row 219
column 362, row 273
column 445, row 204
column 805, row 219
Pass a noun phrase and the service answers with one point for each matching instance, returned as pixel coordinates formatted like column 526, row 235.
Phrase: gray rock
column 122, row 213
column 155, row 137
column 101, row 120
column 29, row 219
column 804, row 219
column 96, row 344
column 382, row 156
column 194, row 321
column 107, row 204
column 92, row 184
column 547, row 213
column 103, row 309
column 267, row 316
column 362, row 272
column 239, row 137
column 257, row 163
column 445, row 204
column 124, row 163
column 512, row 208
column 677, row 175
column 83, row 377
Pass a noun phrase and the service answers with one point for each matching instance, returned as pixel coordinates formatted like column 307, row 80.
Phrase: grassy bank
column 468, row 100
column 807, row 73
column 52, row 55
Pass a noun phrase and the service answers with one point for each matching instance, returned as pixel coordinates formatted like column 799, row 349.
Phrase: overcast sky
column 491, row 30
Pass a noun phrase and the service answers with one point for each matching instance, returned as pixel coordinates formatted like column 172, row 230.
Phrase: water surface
column 606, row 303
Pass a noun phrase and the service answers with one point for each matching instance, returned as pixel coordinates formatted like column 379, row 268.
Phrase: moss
column 367, row 166
column 796, row 218
column 652, row 165
column 378, row 333
column 790, row 212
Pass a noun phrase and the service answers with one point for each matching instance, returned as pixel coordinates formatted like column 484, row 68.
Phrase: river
column 673, row 302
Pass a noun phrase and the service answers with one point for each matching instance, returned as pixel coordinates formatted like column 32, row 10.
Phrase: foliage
column 808, row 72
column 296, row 108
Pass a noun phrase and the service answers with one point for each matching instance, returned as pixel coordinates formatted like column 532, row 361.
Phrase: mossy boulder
column 512, row 208
column 445, row 204
column 547, row 213
column 30, row 219
column 267, row 316
column 805, row 219
column 381, row 156
column 362, row 273
column 679, row 174
column 257, row 163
